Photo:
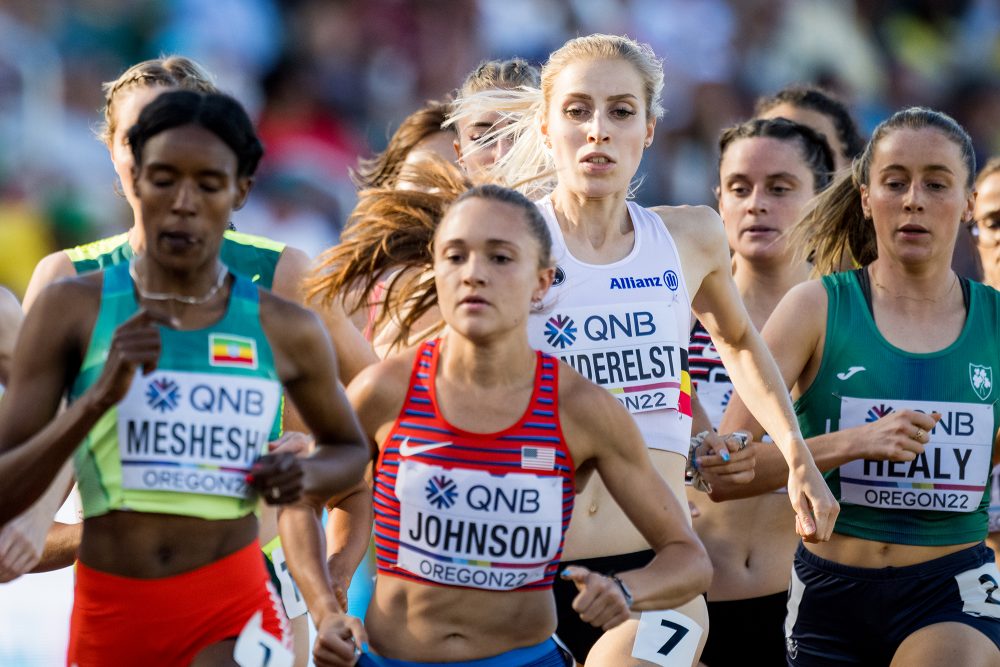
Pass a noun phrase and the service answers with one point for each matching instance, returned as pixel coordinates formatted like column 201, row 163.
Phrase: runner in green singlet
column 892, row 367
column 173, row 365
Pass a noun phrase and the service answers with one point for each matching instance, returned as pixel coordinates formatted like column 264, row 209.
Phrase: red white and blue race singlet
column 473, row 510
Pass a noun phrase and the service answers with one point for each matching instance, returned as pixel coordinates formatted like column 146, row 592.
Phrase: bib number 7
column 667, row 638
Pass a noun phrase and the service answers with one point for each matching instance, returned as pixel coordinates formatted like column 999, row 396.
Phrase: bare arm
column 308, row 370
column 601, row 432
column 35, row 441
column 795, row 332
column 753, row 371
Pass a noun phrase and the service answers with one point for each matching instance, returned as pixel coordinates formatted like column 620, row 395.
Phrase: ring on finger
column 919, row 434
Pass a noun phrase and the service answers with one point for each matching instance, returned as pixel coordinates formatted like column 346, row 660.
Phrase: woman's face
column 476, row 146
column 128, row 104
column 987, row 220
column 816, row 121
column 486, row 268
column 597, row 127
column 917, row 196
column 764, row 184
column 187, row 189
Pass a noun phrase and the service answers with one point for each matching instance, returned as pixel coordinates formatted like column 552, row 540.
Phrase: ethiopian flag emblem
column 232, row 351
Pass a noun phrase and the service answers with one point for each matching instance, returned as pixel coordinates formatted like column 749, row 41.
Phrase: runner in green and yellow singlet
column 174, row 367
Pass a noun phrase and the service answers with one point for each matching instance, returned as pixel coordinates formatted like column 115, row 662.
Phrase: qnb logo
column 163, row 394
column 441, row 492
column 876, row 412
column 670, row 280
column 560, row 331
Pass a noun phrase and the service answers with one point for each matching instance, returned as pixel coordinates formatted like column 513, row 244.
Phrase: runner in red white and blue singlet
column 474, row 510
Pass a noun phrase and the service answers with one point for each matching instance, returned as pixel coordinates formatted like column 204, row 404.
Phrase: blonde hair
column 528, row 166
column 500, row 74
column 171, row 71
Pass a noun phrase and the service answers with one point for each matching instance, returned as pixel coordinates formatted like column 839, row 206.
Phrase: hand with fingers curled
column 815, row 507
column 340, row 641
column 135, row 344
column 294, row 442
column 722, row 457
column 277, row 478
column 898, row 436
column 604, row 601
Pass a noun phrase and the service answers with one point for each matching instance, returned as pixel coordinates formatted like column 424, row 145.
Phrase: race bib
column 667, row 638
column 194, row 432
column 470, row 528
column 629, row 350
column 949, row 476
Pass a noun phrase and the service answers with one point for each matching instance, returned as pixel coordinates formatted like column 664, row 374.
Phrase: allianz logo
column 668, row 279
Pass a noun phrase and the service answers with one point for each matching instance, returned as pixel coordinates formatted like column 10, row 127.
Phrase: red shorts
column 153, row 622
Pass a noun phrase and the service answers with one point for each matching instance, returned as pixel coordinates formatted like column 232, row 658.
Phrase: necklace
column 914, row 298
column 180, row 298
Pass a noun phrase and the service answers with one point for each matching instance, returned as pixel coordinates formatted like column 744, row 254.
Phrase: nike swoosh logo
column 406, row 449
column 849, row 372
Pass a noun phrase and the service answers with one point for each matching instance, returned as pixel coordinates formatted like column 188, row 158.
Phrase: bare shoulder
column 378, row 391
column 805, row 304
column 288, row 321
column 49, row 269
column 693, row 226
column 67, row 305
column 289, row 272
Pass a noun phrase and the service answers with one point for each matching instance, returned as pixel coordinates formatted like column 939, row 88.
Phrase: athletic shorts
column 546, row 654
column 578, row 635
column 745, row 629
column 122, row 621
column 840, row 615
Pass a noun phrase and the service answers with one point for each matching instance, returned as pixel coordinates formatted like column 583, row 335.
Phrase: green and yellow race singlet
column 942, row 496
column 184, row 437
column 254, row 257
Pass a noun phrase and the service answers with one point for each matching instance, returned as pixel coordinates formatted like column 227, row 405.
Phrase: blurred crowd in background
column 329, row 80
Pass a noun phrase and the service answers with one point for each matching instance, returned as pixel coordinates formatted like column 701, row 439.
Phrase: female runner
column 816, row 108
column 768, row 172
column 481, row 443
column 619, row 310
column 174, row 367
column 892, row 366
column 985, row 229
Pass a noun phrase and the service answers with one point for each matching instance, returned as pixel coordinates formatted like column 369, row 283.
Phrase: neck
column 160, row 283
column 596, row 220
column 925, row 287
column 763, row 284
column 485, row 365
column 136, row 236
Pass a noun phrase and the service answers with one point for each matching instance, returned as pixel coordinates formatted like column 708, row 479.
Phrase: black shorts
column 746, row 630
column 579, row 636
column 840, row 615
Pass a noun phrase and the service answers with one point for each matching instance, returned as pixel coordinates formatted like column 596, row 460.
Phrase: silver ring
column 275, row 493
column 919, row 434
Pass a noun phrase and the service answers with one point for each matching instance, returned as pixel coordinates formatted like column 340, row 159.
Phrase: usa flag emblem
column 538, row 458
